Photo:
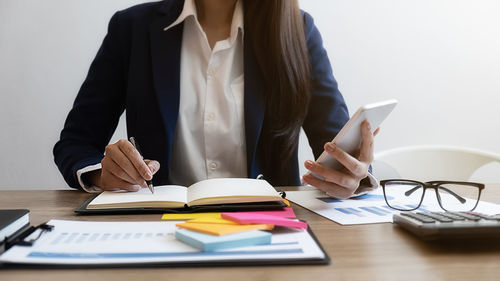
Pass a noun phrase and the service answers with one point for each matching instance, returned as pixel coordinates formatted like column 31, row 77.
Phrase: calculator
column 449, row 225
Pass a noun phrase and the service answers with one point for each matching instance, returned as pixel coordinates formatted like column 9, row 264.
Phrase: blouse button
column 212, row 166
column 211, row 72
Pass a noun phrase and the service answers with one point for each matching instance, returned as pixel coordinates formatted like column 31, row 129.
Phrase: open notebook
column 212, row 193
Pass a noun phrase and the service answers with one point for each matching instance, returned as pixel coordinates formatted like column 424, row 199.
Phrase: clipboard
column 239, row 207
column 28, row 239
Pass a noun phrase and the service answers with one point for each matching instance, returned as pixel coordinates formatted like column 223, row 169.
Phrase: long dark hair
column 276, row 31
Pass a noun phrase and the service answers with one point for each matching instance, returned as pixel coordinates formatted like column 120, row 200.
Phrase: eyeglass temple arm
column 458, row 197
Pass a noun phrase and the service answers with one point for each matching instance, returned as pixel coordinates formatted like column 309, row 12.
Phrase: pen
column 148, row 182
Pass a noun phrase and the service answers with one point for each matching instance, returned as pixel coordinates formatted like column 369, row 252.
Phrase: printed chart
column 368, row 208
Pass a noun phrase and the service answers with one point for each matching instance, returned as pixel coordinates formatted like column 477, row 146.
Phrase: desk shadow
column 456, row 245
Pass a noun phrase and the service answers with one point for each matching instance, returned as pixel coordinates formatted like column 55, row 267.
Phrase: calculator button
column 467, row 216
column 483, row 216
column 437, row 216
column 452, row 216
column 418, row 217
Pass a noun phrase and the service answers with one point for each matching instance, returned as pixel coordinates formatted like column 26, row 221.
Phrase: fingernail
column 330, row 147
column 309, row 164
column 368, row 127
column 151, row 168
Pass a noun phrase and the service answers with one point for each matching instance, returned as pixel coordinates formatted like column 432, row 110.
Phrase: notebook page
column 231, row 190
column 171, row 196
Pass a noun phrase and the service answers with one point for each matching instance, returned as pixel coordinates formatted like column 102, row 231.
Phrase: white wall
column 439, row 58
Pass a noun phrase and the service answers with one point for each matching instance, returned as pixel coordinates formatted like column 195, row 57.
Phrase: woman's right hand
column 123, row 168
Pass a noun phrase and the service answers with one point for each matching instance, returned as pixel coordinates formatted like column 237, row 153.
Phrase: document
column 368, row 208
column 115, row 243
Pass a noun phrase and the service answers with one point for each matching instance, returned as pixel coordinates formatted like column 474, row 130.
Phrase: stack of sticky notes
column 217, row 231
column 210, row 243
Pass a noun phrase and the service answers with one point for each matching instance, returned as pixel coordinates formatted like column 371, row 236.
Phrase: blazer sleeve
column 327, row 112
column 94, row 116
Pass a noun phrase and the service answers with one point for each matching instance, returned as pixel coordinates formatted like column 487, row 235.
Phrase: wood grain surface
column 358, row 252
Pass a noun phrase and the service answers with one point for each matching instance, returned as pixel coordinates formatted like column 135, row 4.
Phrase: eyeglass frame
column 434, row 185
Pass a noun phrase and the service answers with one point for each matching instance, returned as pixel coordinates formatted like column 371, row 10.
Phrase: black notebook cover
column 12, row 221
column 240, row 207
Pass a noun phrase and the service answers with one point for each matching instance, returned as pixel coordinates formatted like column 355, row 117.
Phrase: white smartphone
column 349, row 137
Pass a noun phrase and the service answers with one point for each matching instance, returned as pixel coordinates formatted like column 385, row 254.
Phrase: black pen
column 148, row 182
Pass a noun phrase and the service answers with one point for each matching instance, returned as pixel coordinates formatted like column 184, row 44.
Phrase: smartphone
column 349, row 137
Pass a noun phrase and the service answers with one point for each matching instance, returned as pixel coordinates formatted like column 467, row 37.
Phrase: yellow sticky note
column 189, row 216
column 223, row 229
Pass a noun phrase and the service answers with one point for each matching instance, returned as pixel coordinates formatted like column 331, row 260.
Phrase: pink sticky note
column 248, row 218
column 285, row 213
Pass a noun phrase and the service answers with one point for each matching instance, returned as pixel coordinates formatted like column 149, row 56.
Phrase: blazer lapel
column 166, row 60
column 254, row 107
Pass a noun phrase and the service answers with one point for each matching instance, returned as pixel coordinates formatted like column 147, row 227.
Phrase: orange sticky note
column 223, row 229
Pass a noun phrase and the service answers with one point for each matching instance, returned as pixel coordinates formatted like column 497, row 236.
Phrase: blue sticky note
column 210, row 243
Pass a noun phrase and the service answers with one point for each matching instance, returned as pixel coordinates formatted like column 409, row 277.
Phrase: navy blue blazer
column 137, row 69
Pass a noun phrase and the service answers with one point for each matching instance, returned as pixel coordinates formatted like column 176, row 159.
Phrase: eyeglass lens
column 457, row 197
column 403, row 195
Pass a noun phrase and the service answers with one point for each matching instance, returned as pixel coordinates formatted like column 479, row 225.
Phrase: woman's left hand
column 343, row 183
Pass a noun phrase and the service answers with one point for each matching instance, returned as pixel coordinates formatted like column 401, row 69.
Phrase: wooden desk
column 360, row 252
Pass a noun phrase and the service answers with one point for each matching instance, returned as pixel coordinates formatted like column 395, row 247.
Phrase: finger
column 329, row 175
column 376, row 132
column 352, row 164
column 120, row 158
column 153, row 166
column 110, row 182
column 133, row 155
column 366, row 150
column 330, row 188
column 112, row 167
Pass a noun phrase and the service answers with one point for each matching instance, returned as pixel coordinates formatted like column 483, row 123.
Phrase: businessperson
column 211, row 88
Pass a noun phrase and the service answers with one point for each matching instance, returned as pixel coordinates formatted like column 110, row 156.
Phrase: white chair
column 433, row 162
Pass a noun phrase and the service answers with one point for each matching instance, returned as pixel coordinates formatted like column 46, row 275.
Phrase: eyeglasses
column 452, row 196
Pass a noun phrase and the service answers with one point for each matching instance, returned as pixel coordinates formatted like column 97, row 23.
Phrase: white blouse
column 209, row 141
